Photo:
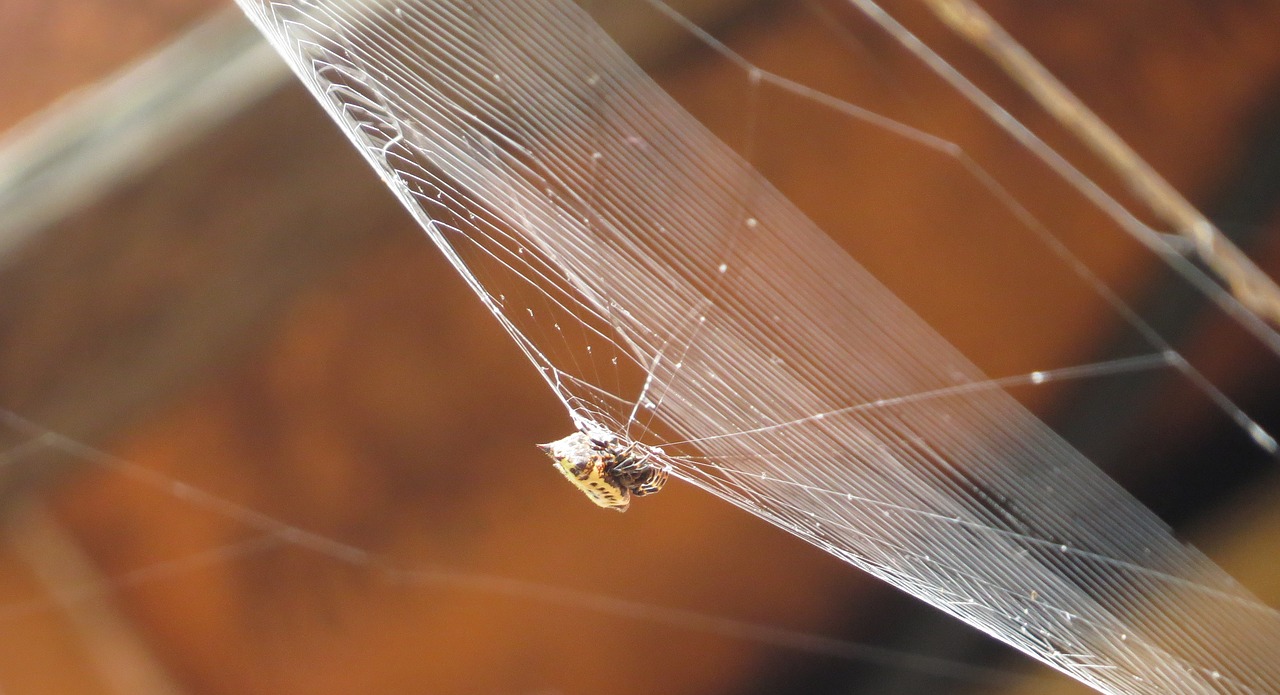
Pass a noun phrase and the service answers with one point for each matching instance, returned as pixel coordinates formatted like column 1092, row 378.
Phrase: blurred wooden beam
column 93, row 140
column 105, row 648
column 55, row 47
column 135, row 297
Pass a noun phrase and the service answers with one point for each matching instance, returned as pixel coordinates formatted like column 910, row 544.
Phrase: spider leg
column 650, row 481
column 628, row 465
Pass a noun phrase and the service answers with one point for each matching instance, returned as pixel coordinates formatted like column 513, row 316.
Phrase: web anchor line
column 604, row 202
column 271, row 534
column 1123, row 365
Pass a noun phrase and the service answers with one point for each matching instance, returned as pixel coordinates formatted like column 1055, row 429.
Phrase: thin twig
column 1252, row 287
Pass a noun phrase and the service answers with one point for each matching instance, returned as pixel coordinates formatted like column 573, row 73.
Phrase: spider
column 605, row 470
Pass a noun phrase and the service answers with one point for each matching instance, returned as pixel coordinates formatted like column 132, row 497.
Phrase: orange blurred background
column 361, row 508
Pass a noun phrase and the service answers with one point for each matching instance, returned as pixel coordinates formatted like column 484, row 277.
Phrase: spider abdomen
column 606, row 472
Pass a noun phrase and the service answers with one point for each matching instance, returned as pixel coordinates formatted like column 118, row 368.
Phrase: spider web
column 666, row 290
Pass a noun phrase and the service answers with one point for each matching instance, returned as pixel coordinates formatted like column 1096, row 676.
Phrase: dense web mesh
column 669, row 294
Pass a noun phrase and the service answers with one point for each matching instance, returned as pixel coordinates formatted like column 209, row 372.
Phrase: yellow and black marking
column 640, row 477
column 606, row 473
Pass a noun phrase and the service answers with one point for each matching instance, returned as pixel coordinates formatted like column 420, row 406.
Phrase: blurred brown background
column 255, row 317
